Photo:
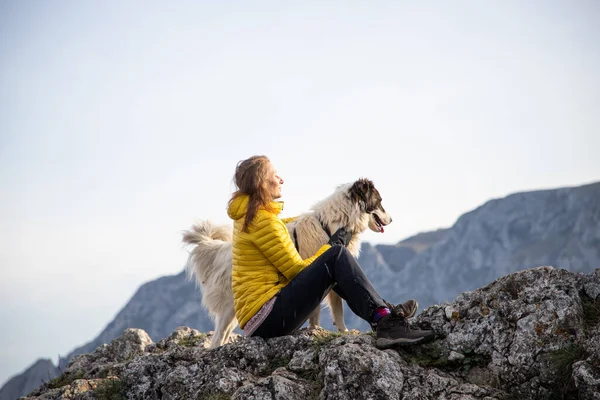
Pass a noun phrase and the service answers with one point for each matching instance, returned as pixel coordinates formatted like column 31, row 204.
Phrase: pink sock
column 379, row 313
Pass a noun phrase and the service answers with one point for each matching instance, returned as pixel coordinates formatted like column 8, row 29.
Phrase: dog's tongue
column 381, row 229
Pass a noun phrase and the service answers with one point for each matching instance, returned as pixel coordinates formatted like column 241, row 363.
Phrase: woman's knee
column 338, row 256
column 346, row 251
column 339, row 250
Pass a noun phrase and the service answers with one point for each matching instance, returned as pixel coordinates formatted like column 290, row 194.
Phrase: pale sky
column 121, row 123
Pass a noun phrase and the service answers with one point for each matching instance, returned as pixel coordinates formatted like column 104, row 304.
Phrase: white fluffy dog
column 354, row 206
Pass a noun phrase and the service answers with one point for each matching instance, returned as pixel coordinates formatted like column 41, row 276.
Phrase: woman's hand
column 341, row 237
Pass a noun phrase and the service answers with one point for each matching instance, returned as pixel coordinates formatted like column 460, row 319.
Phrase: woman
column 275, row 290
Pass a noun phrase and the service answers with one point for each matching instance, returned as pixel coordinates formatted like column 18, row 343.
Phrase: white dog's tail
column 212, row 247
column 207, row 231
column 211, row 261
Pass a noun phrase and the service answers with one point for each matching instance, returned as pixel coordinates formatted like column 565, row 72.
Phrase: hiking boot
column 393, row 329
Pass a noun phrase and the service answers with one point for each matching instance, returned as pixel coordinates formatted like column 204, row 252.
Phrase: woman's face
column 274, row 181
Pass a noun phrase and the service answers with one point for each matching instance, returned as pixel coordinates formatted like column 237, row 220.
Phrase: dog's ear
column 364, row 193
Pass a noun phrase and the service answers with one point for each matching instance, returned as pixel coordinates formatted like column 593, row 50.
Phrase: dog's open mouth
column 378, row 222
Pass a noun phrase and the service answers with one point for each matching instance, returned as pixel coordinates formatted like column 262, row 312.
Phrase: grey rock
column 532, row 334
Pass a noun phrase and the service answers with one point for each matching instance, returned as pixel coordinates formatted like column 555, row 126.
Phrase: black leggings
column 335, row 269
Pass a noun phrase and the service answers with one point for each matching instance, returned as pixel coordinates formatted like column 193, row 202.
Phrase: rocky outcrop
column 533, row 334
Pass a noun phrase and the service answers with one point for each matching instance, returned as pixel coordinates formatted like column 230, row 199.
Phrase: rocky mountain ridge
column 533, row 334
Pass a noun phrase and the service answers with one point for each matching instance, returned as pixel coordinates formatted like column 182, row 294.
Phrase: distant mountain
column 396, row 257
column 423, row 241
column 41, row 371
column 559, row 227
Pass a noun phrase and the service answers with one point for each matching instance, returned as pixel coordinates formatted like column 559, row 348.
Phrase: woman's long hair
column 251, row 179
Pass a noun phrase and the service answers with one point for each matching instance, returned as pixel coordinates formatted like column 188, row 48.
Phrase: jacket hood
column 239, row 206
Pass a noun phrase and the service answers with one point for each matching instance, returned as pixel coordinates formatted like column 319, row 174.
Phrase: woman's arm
column 275, row 244
column 288, row 220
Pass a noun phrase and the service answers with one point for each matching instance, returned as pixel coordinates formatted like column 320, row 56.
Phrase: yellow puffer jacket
column 264, row 258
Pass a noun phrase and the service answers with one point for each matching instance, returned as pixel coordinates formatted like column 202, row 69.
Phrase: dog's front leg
column 337, row 311
column 314, row 317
